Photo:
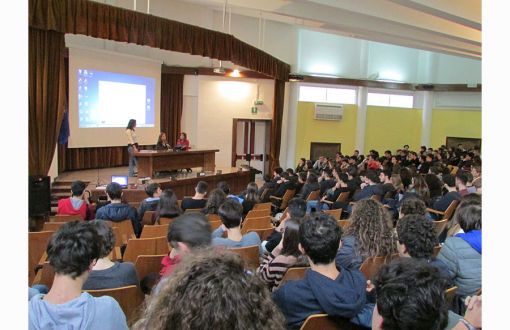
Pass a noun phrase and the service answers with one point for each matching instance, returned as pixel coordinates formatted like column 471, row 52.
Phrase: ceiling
column 445, row 26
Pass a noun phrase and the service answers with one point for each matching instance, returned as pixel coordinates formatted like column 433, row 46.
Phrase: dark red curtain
column 276, row 126
column 171, row 105
column 46, row 97
column 109, row 22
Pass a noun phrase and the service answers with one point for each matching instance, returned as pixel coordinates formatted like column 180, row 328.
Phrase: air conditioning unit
column 328, row 111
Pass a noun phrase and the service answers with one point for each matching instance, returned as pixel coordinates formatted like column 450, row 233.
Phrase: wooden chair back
column 130, row 298
column 215, row 224
column 192, row 210
column 450, row 294
column 453, row 230
column 258, row 213
column 448, row 213
column 324, row 322
column 165, row 221
column 118, row 237
column 371, row 265
column 439, row 226
column 284, row 214
column 376, row 198
column 294, row 273
column 135, row 205
column 437, row 249
column 289, row 193
column 148, row 216
column 52, row 226
column 65, row 218
column 125, row 229
column 37, row 243
column 343, row 197
column 139, row 246
column 313, row 196
column 335, row 213
column 454, row 170
column 262, row 232
column 250, row 255
column 343, row 224
column 162, row 245
column 154, row 231
column 265, row 195
column 262, row 206
column 146, row 264
column 255, row 223
column 213, row 217
column 45, row 275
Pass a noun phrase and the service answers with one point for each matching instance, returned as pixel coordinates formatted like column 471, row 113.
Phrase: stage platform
column 182, row 183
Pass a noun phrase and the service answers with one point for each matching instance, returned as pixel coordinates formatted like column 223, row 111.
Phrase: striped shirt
column 275, row 265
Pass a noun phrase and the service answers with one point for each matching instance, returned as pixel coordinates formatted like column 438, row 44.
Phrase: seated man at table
column 76, row 204
column 116, row 210
column 153, row 190
column 199, row 200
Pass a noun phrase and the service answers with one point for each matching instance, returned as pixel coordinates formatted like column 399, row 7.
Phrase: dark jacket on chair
column 118, row 212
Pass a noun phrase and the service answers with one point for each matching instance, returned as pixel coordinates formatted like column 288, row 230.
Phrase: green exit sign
column 254, row 110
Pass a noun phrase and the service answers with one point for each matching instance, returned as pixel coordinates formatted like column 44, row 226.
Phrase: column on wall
column 428, row 100
column 292, row 124
column 361, row 119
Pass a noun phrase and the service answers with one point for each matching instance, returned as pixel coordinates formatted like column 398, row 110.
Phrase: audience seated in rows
column 116, row 210
column 153, row 190
column 326, row 288
column 77, row 204
column 216, row 198
column 223, row 185
column 368, row 235
column 282, row 257
column 211, row 290
column 72, row 252
column 107, row 274
column 369, row 187
column 231, row 214
column 452, row 194
column 311, row 184
column 198, row 200
column 251, row 198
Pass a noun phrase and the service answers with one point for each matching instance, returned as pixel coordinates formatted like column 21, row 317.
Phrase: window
column 327, row 95
column 390, row 100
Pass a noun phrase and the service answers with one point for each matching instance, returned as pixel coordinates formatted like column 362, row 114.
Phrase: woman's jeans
column 132, row 162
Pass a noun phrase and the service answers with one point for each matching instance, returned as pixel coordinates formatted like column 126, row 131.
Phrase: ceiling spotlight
column 235, row 73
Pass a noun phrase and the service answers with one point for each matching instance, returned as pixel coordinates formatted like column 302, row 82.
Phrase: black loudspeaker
column 39, row 202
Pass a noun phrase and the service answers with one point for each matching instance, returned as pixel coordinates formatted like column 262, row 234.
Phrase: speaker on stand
column 39, row 195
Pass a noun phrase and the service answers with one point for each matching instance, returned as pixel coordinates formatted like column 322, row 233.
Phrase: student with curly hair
column 72, row 252
column 211, row 290
column 368, row 235
column 412, row 205
column 410, row 295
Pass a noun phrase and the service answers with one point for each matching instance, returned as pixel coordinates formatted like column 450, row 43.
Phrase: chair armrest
column 118, row 254
column 43, row 259
column 277, row 198
column 434, row 211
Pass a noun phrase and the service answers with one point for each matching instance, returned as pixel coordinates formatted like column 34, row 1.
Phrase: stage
column 181, row 182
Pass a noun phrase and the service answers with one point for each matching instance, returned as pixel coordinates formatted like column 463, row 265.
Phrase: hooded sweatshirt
column 72, row 206
column 84, row 312
column 343, row 297
column 119, row 212
column 473, row 238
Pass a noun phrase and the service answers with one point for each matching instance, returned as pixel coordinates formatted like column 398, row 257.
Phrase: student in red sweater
column 76, row 204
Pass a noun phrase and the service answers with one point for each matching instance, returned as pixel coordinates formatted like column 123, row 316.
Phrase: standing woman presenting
column 132, row 146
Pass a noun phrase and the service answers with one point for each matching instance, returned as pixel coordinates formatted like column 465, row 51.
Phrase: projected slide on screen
column 107, row 99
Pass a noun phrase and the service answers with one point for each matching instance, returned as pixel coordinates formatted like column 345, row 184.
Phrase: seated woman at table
column 162, row 143
column 182, row 142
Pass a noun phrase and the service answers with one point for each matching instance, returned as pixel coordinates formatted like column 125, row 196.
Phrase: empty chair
column 335, row 213
column 258, row 213
column 64, row 218
column 294, row 273
column 255, row 223
column 130, row 298
column 146, row 264
column 145, row 246
column 262, row 206
column 154, row 231
column 37, row 243
column 250, row 255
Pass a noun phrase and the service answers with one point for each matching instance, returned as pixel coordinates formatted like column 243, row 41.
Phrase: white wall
column 219, row 100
